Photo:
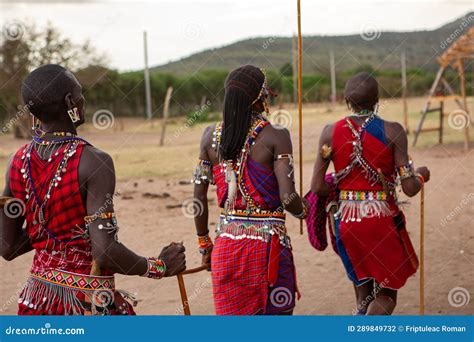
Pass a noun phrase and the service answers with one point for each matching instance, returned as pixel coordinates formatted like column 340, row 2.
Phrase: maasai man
column 251, row 163
column 66, row 187
column 367, row 153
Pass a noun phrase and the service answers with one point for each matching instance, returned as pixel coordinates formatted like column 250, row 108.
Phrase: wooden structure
column 461, row 50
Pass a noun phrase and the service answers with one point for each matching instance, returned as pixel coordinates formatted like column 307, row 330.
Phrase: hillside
column 383, row 51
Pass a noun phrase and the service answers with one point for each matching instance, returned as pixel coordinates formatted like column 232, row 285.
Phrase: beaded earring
column 74, row 115
column 36, row 127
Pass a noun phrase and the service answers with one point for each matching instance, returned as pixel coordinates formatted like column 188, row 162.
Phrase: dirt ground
column 154, row 183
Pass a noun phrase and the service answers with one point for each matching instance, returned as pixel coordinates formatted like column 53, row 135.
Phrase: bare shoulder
column 95, row 160
column 326, row 134
column 207, row 135
column 278, row 133
column 394, row 130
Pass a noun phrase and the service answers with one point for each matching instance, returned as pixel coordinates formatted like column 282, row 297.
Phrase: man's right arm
column 107, row 251
column 398, row 137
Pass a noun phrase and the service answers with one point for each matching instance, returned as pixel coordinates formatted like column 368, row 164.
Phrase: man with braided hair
column 250, row 161
column 66, row 187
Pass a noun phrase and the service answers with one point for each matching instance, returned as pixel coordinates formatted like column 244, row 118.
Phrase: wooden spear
column 300, row 104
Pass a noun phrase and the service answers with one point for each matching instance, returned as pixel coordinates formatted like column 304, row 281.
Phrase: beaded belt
column 370, row 195
column 254, row 226
column 75, row 281
column 262, row 215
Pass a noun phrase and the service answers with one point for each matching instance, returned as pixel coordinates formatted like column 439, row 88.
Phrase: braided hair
column 242, row 89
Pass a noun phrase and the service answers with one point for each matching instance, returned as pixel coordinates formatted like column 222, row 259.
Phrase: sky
column 180, row 28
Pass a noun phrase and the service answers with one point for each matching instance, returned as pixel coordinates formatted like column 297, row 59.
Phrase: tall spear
column 422, row 248
column 300, row 104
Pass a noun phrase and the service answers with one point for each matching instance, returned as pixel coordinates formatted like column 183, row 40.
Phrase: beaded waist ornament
column 357, row 205
column 64, row 286
column 241, row 225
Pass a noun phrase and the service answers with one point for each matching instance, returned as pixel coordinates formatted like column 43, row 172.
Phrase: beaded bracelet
column 406, row 171
column 205, row 244
column 156, row 268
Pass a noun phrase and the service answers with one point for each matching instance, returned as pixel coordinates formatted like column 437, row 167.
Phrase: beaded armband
column 406, row 171
column 205, row 244
column 104, row 216
column 203, row 172
column 110, row 226
column 290, row 161
column 156, row 268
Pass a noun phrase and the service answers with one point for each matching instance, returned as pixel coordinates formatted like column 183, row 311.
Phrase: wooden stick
column 404, row 91
column 196, row 270
column 300, row 104
column 464, row 102
column 184, row 295
column 182, row 287
column 166, row 108
column 422, row 249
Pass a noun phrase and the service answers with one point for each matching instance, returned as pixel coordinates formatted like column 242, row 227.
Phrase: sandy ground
column 154, row 184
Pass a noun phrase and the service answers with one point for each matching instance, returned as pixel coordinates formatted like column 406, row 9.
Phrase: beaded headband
column 264, row 91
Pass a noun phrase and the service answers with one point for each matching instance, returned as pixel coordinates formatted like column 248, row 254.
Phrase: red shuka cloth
column 64, row 212
column 372, row 248
column 240, row 268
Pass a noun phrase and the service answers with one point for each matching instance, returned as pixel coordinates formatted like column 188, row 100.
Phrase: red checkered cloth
column 317, row 218
column 64, row 214
column 239, row 276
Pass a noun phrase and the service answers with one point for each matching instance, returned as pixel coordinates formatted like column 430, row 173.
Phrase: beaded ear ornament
column 264, row 94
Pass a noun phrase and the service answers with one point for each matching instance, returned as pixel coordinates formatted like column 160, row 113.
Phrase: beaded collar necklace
column 357, row 158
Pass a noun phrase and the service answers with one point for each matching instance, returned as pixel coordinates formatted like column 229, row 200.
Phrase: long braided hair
column 242, row 89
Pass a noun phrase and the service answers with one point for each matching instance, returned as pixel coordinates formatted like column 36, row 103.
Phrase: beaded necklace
column 39, row 204
column 357, row 158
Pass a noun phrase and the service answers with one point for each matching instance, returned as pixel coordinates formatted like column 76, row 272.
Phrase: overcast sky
column 181, row 27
